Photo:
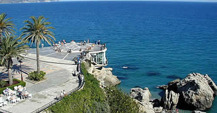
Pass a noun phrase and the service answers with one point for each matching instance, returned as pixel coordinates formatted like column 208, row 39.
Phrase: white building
column 97, row 55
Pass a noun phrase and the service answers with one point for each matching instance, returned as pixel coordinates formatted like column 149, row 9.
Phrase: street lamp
column 20, row 61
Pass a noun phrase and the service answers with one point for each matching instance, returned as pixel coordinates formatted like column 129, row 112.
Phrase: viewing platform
column 95, row 52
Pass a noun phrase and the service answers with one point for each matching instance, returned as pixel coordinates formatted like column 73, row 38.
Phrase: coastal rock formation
column 109, row 78
column 146, row 107
column 198, row 112
column 196, row 92
column 104, row 75
column 170, row 100
column 211, row 84
column 158, row 109
column 142, row 97
column 172, row 85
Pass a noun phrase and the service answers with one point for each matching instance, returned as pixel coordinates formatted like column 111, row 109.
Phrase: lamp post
column 20, row 61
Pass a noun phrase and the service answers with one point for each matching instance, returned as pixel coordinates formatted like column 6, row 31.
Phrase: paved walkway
column 49, row 52
column 59, row 77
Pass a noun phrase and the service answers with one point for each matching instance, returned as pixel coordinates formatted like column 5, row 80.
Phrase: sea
column 156, row 41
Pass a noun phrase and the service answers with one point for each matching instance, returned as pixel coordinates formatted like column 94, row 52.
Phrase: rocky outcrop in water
column 142, row 97
column 170, row 100
column 211, row 84
column 196, row 92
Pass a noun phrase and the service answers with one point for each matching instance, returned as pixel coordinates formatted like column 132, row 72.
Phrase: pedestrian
column 64, row 93
column 61, row 94
column 74, row 73
column 64, row 41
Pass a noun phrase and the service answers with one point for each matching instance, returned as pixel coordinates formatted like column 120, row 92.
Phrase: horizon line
column 186, row 1
column 139, row 0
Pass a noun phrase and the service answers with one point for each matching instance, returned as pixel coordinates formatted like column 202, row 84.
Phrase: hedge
column 22, row 83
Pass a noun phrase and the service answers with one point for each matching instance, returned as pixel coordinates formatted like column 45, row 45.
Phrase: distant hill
column 26, row 1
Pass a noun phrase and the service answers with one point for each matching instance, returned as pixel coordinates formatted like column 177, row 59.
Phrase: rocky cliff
column 103, row 75
column 142, row 97
column 194, row 92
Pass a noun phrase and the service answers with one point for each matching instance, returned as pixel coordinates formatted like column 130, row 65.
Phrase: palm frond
column 11, row 47
column 6, row 26
column 37, row 30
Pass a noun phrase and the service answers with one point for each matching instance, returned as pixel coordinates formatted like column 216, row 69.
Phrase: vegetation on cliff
column 94, row 99
column 120, row 102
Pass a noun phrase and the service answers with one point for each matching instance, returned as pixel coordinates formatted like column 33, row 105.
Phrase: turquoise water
column 158, row 41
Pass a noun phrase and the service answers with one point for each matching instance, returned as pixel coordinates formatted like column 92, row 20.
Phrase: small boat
column 124, row 67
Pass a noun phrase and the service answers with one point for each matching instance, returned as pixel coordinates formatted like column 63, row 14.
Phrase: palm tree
column 11, row 47
column 36, row 31
column 6, row 26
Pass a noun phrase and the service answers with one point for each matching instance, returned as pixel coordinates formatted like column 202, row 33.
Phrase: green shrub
column 22, row 83
column 91, row 99
column 35, row 76
column 2, row 83
column 120, row 102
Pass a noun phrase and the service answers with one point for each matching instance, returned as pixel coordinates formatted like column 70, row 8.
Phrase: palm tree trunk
column 21, row 72
column 9, row 74
column 37, row 57
column 0, row 33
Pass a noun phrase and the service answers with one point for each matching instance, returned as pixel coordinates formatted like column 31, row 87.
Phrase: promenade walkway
column 59, row 77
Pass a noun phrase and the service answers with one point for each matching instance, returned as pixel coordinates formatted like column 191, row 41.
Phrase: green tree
column 36, row 31
column 6, row 26
column 11, row 47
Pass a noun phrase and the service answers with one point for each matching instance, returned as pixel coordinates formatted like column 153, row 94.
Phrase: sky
column 149, row 0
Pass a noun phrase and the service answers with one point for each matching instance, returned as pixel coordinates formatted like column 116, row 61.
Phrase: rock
column 156, row 102
column 170, row 100
column 173, row 85
column 163, row 111
column 196, row 91
column 174, row 82
column 145, row 107
column 104, row 75
column 170, row 86
column 211, row 84
column 142, row 97
column 158, row 109
column 110, row 79
column 198, row 112
column 164, row 87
